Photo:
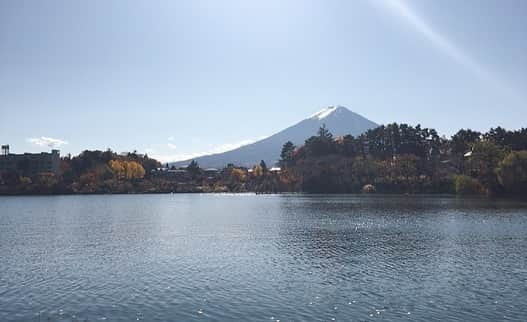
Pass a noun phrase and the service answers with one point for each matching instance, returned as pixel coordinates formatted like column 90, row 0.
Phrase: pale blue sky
column 180, row 78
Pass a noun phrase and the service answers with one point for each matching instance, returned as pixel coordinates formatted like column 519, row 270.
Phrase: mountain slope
column 339, row 120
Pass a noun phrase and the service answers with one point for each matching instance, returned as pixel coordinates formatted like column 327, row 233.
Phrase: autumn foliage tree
column 117, row 168
column 127, row 169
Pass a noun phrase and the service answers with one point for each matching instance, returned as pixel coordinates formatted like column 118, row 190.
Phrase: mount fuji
column 338, row 119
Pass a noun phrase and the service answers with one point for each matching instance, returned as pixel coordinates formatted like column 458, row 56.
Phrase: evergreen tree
column 263, row 165
column 324, row 133
column 320, row 144
column 464, row 140
column 193, row 168
column 287, row 152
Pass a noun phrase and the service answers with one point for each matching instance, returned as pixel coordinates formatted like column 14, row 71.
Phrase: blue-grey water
column 262, row 258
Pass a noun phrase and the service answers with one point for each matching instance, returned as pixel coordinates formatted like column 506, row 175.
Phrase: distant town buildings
column 180, row 174
column 29, row 164
column 134, row 153
column 211, row 173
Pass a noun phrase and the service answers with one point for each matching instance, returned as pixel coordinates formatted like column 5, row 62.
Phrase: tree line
column 393, row 158
column 401, row 158
column 89, row 172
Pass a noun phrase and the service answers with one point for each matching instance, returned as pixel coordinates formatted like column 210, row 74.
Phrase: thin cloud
column 213, row 150
column 230, row 146
column 48, row 142
column 442, row 43
column 175, row 157
column 436, row 38
column 171, row 146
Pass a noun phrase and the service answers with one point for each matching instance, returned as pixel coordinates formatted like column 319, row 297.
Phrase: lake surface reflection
column 261, row 258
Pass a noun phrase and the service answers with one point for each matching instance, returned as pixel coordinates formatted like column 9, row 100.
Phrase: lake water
column 215, row 257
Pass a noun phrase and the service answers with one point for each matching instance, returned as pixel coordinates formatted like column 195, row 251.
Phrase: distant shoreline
column 284, row 193
column 394, row 159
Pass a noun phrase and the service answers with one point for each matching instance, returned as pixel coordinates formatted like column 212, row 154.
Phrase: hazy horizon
column 179, row 79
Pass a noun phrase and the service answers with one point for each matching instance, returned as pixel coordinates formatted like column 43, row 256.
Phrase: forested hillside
column 399, row 158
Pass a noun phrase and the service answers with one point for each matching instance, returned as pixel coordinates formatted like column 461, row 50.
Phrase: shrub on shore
column 466, row 185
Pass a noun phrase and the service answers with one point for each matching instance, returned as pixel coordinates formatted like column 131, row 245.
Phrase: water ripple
column 262, row 258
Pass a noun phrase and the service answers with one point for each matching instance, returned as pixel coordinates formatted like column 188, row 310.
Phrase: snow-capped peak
column 325, row 112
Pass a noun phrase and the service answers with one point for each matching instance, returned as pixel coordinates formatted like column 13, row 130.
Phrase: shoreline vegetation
column 390, row 159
